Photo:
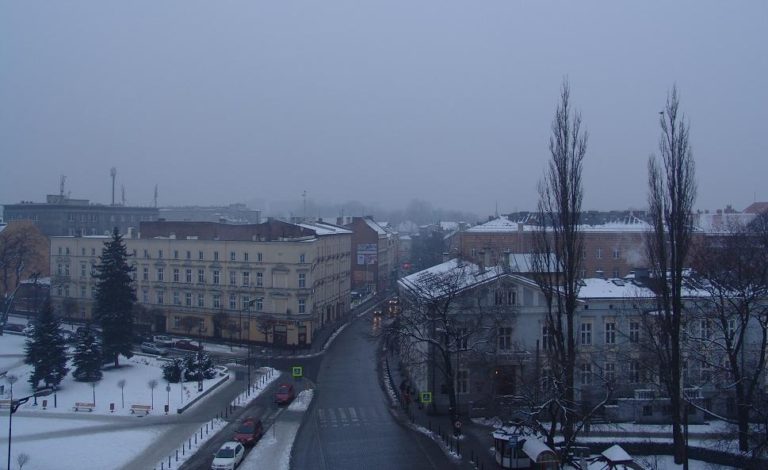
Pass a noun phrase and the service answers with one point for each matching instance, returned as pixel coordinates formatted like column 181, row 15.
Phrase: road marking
column 352, row 414
column 342, row 415
column 321, row 414
column 362, row 414
column 332, row 417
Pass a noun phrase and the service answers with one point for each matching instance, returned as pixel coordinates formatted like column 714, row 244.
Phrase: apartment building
column 273, row 283
column 374, row 255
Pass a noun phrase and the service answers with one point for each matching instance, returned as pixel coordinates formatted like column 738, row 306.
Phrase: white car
column 163, row 341
column 228, row 457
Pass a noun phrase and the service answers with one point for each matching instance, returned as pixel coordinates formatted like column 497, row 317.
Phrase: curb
column 202, row 395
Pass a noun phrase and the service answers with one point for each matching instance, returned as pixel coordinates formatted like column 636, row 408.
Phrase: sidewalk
column 472, row 448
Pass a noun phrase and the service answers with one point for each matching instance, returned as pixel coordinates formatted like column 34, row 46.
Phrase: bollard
column 201, row 432
column 183, row 448
column 169, row 461
column 190, row 443
column 206, row 428
column 195, row 438
column 458, row 448
column 177, row 455
column 162, row 465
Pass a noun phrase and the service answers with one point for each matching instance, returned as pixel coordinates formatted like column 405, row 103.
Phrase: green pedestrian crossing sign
column 297, row 372
column 426, row 397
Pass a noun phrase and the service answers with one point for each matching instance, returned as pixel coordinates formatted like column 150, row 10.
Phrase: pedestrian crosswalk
column 350, row 416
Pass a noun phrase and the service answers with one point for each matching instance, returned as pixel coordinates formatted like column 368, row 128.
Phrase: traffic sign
column 297, row 372
column 457, row 424
column 426, row 397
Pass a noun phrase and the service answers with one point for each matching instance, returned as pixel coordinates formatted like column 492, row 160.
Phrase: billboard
column 366, row 253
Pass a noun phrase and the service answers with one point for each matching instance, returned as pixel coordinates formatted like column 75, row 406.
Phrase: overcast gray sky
column 379, row 101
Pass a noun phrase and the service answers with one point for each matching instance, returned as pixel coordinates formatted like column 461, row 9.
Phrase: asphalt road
column 349, row 425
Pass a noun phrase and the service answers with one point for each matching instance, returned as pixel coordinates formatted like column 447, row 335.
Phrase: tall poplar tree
column 115, row 297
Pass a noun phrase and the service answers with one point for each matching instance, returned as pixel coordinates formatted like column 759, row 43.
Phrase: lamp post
column 15, row 404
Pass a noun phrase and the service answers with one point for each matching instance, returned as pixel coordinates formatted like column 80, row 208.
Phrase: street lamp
column 15, row 404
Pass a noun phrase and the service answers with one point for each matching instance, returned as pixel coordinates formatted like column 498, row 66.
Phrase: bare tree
column 446, row 321
column 152, row 384
column 672, row 192
column 732, row 339
column 23, row 250
column 558, row 251
column 22, row 459
column 121, row 384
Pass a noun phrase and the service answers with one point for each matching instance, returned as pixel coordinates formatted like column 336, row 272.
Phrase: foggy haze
column 380, row 102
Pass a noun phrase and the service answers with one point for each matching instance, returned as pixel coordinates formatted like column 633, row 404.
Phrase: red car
column 187, row 345
column 249, row 432
column 285, row 394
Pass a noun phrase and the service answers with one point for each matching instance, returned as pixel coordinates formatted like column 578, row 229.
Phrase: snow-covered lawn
column 64, row 439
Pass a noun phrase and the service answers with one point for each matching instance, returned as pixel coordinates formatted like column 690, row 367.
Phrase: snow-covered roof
column 375, row 227
column 724, row 222
column 596, row 288
column 450, row 226
column 324, row 228
column 615, row 454
column 501, row 224
column 534, row 448
column 43, row 281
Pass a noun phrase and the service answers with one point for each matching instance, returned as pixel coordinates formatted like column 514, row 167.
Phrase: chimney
column 519, row 226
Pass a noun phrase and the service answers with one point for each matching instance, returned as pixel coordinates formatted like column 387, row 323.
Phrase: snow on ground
column 137, row 373
column 273, row 450
column 64, row 439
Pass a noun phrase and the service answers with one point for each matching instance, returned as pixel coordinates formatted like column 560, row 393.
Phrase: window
column 259, row 304
column 82, row 270
column 259, row 279
column 200, row 255
column 60, row 248
column 146, row 253
column 232, row 256
column 82, row 251
column 175, row 254
column 246, row 278
column 188, row 276
column 505, row 338
column 462, row 381
column 145, row 296
column 232, row 302
column 586, row 373
column 83, row 292
column 59, row 269
column 176, row 276
column 586, row 334
column 547, row 338
column 215, row 255
column 302, row 306
column 302, row 280
column 160, row 297
column 302, row 258
column 59, row 291
column 258, row 257
column 188, row 299
column 462, row 338
column 610, row 372
column 93, row 252
column 615, row 272
column 177, row 322
column 245, row 256
column 705, row 329
column 66, row 269
column 232, row 278
column 610, row 333
column 634, row 332
column 159, row 254
column 201, row 300
column 599, row 253
column 66, row 250
column 732, row 327
column 634, row 372
column 216, row 277
column 616, row 253
column 160, row 274
column 189, row 254
column 216, row 300
column 647, row 410
column 201, row 276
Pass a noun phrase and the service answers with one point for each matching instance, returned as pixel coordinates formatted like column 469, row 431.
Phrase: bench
column 5, row 403
column 135, row 409
column 82, row 406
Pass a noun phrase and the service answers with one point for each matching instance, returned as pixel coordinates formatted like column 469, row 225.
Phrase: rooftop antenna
column 122, row 190
column 155, row 195
column 62, row 180
column 304, row 195
column 113, row 173
column 497, row 209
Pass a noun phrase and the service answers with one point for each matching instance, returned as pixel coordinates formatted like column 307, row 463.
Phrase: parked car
column 139, row 338
column 152, row 348
column 14, row 327
column 249, row 432
column 228, row 457
column 285, row 394
column 187, row 345
column 163, row 341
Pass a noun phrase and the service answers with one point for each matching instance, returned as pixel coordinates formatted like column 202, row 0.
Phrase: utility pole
column 113, row 174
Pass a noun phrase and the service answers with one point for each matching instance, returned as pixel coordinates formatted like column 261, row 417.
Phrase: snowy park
column 128, row 408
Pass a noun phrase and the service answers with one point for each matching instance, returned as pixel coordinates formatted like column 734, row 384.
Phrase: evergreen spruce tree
column 115, row 297
column 46, row 350
column 88, row 357
column 199, row 366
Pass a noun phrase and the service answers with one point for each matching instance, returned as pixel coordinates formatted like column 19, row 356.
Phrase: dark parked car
column 14, row 327
column 187, row 345
column 285, row 394
column 249, row 431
